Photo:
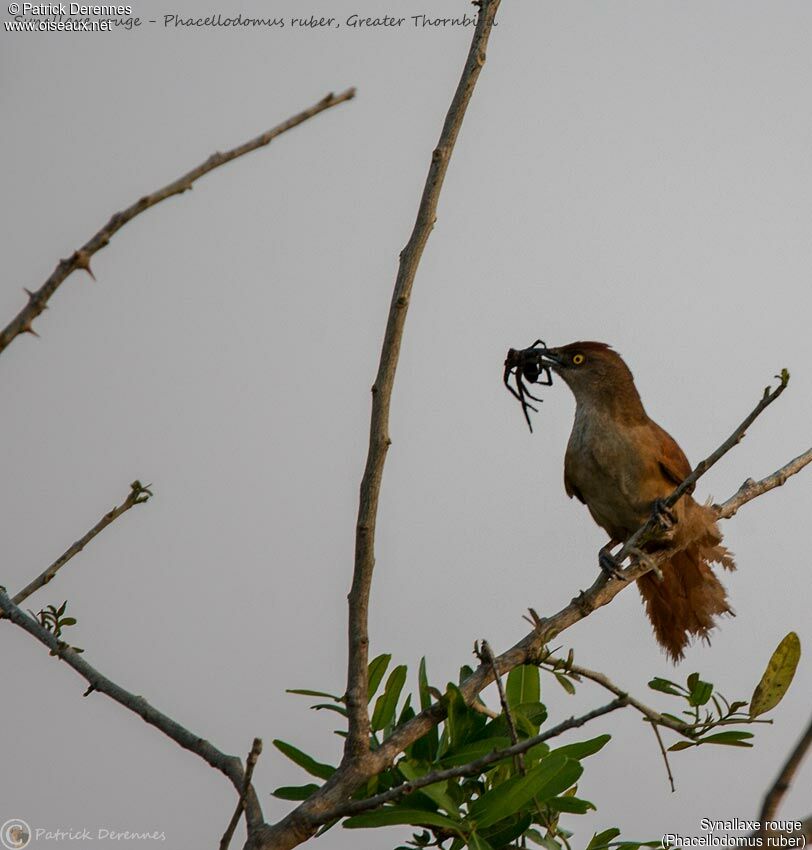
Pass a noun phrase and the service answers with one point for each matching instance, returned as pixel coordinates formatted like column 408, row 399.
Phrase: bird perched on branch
column 621, row 465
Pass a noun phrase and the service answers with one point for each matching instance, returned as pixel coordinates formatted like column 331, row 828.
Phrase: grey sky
column 632, row 172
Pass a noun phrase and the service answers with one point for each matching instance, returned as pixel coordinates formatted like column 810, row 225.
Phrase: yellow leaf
column 777, row 677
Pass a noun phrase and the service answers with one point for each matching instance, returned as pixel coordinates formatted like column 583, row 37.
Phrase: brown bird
column 621, row 464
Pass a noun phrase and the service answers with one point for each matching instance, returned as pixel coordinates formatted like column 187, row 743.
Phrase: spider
column 526, row 365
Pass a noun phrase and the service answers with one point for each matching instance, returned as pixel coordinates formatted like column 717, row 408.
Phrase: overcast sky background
column 634, row 172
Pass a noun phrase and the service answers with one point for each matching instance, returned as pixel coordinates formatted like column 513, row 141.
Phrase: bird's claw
column 665, row 518
column 609, row 564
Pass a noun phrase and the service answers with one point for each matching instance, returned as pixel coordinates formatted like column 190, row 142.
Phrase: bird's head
column 595, row 373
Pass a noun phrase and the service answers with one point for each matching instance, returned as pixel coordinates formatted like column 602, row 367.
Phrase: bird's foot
column 609, row 564
column 644, row 558
column 663, row 516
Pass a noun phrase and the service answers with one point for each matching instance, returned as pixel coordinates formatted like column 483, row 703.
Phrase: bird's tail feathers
column 686, row 602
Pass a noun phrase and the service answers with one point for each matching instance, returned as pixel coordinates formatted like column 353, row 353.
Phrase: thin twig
column 137, row 496
column 80, row 259
column 656, row 728
column 477, row 766
column 357, row 744
column 649, row 528
column 605, row 682
column 485, row 654
column 779, row 788
column 230, row 766
column 250, row 763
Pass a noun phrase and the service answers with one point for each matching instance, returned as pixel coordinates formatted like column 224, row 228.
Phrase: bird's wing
column 673, row 463
column 571, row 489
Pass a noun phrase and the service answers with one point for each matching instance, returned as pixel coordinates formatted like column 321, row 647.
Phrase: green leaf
column 473, row 750
column 565, row 683
column 463, row 723
column 699, row 692
column 505, row 831
column 476, row 842
column 308, row 763
column 307, row 693
column 387, row 702
column 732, row 739
column 67, row 621
column 681, row 745
column 665, row 686
column 391, row 816
column 529, row 716
column 375, row 670
column 777, row 677
column 602, row 839
column 571, row 805
column 555, row 774
column 436, row 793
column 523, row 685
column 328, row 706
column 295, row 792
column 423, row 685
column 582, row 749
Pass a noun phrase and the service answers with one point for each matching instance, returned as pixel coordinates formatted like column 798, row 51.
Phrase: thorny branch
column 228, row 765
column 80, row 259
column 137, row 496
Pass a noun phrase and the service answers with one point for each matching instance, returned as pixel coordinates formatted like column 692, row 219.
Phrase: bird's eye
column 578, row 359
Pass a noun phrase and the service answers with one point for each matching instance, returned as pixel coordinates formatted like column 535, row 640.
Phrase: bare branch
column 80, row 259
column 649, row 528
column 137, row 496
column 472, row 768
column 605, row 682
column 485, row 654
column 358, row 738
column 230, row 766
column 750, row 489
column 250, row 763
column 784, row 779
column 664, row 753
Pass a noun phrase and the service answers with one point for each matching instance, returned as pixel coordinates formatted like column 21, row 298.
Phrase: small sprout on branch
column 52, row 619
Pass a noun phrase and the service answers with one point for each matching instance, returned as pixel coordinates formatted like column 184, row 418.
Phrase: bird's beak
column 551, row 357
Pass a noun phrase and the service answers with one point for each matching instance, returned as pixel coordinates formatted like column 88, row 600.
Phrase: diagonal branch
column 230, row 766
column 474, row 767
column 379, row 441
column 784, row 779
column 80, row 259
column 137, row 496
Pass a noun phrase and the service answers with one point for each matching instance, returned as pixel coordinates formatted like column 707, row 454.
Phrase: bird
column 622, row 465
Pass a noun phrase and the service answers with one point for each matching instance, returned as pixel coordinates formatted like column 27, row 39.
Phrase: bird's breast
column 608, row 466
